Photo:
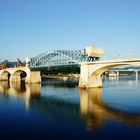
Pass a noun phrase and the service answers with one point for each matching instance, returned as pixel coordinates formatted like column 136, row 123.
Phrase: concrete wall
column 93, row 51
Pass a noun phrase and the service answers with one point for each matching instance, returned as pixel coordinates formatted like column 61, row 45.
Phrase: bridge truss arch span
column 58, row 58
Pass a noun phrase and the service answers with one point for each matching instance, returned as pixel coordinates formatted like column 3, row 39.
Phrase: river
column 57, row 109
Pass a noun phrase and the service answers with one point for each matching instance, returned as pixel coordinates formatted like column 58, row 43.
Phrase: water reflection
column 93, row 109
column 17, row 89
column 58, row 83
column 90, row 101
column 96, row 111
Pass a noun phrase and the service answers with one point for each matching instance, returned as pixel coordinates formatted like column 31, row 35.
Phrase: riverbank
column 61, row 77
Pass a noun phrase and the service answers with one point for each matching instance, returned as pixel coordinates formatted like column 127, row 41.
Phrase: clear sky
column 30, row 27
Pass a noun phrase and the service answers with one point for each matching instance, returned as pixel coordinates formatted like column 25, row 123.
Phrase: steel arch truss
column 58, row 58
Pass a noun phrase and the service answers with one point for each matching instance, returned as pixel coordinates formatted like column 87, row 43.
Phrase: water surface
column 57, row 109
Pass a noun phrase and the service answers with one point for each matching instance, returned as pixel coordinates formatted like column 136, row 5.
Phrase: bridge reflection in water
column 92, row 108
column 20, row 90
column 96, row 111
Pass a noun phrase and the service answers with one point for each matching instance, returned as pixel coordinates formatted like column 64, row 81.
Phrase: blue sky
column 30, row 27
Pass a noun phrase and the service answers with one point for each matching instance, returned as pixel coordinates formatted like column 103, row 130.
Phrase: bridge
column 91, row 68
column 116, row 72
column 91, row 72
column 20, row 73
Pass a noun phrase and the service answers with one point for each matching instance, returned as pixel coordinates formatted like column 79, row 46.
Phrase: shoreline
column 61, row 77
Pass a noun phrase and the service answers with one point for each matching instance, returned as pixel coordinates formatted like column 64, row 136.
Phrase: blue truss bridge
column 59, row 58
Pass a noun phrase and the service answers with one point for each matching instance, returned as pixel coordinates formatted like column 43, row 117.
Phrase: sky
column 31, row 27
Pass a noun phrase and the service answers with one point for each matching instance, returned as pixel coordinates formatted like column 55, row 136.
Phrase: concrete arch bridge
column 91, row 72
column 20, row 73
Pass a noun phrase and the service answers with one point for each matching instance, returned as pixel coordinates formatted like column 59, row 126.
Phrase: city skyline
column 29, row 28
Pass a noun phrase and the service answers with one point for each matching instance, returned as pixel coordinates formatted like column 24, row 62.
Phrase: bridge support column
column 87, row 77
column 33, row 77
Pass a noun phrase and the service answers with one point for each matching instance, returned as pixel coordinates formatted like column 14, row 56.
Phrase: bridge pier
column 90, row 82
column 88, row 79
column 33, row 77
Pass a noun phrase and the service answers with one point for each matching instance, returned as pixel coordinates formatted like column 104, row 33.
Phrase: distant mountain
column 5, row 62
column 13, row 64
column 8, row 64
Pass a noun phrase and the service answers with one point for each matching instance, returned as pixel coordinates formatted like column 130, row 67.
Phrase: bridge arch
column 103, row 69
column 19, row 75
column 5, row 76
column 90, row 75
